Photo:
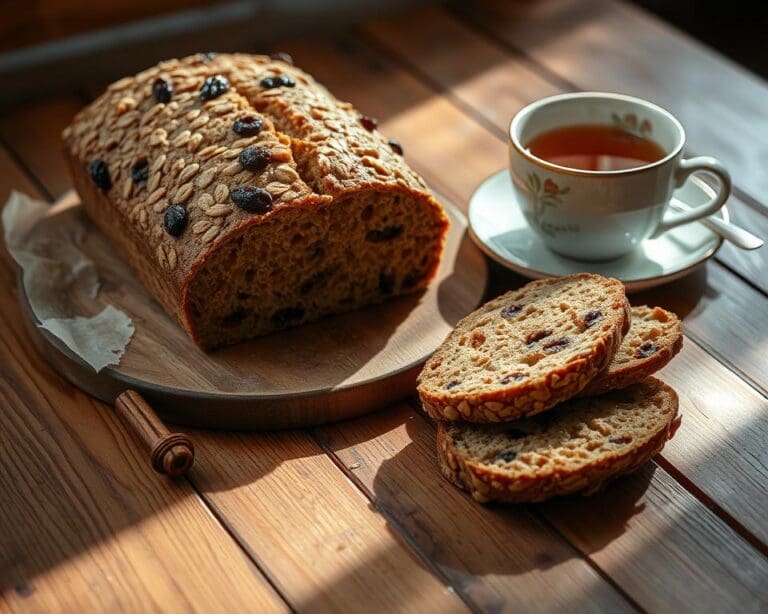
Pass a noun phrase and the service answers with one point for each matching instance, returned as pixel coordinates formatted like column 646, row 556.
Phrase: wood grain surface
column 649, row 522
column 354, row 516
column 312, row 531
column 394, row 458
column 355, row 60
column 27, row 127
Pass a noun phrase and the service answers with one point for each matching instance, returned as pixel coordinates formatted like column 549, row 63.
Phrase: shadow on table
column 591, row 523
column 472, row 546
column 681, row 296
column 375, row 578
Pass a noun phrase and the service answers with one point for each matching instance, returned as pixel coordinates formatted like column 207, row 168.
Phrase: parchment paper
column 55, row 272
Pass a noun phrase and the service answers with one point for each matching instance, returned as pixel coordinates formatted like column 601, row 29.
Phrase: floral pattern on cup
column 543, row 195
column 630, row 123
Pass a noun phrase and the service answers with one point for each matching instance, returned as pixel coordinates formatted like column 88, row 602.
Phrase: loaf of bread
column 248, row 199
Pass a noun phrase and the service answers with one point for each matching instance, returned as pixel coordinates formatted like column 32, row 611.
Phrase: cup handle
column 685, row 169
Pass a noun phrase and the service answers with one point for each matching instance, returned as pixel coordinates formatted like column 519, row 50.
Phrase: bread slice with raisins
column 577, row 447
column 654, row 338
column 526, row 351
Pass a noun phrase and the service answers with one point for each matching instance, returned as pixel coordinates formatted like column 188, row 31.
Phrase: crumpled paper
column 55, row 270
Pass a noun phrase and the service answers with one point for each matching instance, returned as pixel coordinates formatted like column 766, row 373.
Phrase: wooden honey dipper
column 170, row 453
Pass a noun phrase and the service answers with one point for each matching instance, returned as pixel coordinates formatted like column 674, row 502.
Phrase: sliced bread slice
column 577, row 447
column 654, row 338
column 526, row 351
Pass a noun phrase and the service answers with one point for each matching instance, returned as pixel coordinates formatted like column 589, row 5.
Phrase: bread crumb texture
column 527, row 350
column 654, row 338
column 577, row 447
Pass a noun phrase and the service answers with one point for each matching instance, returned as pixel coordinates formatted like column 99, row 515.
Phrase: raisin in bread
column 248, row 198
column 654, row 338
column 577, row 447
column 527, row 350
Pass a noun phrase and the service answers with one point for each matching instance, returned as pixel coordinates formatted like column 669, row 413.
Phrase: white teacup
column 599, row 215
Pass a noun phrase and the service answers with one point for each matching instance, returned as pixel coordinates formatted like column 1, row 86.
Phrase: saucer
column 498, row 227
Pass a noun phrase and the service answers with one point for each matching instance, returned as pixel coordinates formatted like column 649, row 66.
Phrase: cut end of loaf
column 305, row 262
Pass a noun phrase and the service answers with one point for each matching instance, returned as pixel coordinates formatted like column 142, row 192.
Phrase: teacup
column 604, row 214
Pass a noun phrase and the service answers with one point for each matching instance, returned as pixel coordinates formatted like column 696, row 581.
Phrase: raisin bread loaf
column 654, row 338
column 247, row 198
column 577, row 447
column 527, row 350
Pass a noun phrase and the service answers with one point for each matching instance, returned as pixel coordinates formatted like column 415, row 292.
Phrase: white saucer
column 498, row 227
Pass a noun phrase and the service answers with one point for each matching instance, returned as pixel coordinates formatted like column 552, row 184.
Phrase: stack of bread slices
column 546, row 390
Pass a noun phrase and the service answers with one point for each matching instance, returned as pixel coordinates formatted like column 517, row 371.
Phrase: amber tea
column 595, row 147
column 600, row 184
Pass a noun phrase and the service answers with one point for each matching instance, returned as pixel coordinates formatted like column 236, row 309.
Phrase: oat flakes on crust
column 283, row 203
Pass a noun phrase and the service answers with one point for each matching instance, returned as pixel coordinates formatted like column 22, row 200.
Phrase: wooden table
column 354, row 516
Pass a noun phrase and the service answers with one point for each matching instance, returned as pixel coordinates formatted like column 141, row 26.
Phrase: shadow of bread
column 481, row 551
column 457, row 289
column 335, row 368
column 688, row 293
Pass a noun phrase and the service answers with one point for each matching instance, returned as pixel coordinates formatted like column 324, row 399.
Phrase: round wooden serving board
column 333, row 369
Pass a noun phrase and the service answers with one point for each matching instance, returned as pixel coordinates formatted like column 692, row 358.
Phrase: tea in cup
column 594, row 172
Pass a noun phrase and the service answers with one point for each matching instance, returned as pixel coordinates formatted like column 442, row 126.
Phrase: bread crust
column 618, row 376
column 532, row 396
column 486, row 485
column 192, row 154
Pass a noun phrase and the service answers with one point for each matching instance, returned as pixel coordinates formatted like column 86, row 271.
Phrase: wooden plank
column 310, row 528
column 500, row 560
column 753, row 265
column 87, row 525
column 724, row 315
column 459, row 158
column 613, row 46
column 34, row 133
column 656, row 541
column 13, row 178
column 720, row 446
column 284, row 499
column 650, row 521
column 492, row 85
